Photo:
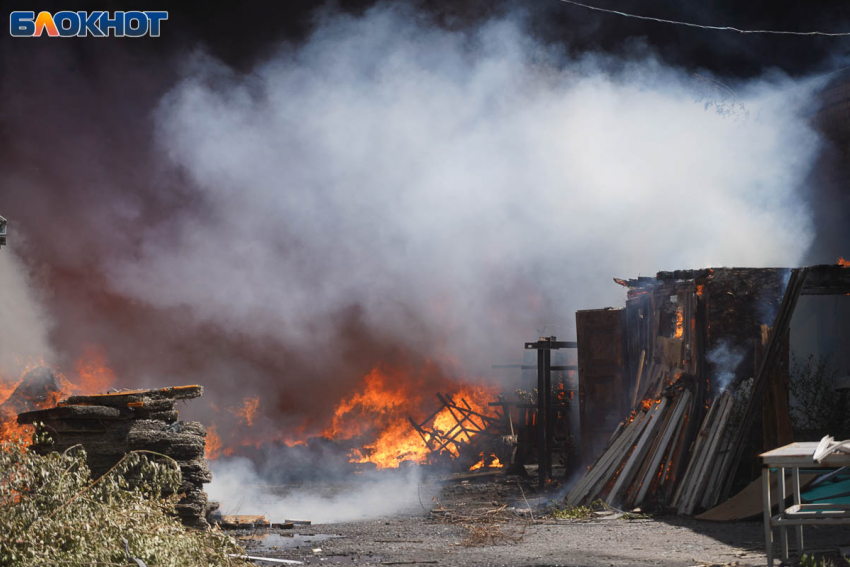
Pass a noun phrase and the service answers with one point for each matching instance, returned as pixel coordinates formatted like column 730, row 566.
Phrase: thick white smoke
column 23, row 322
column 478, row 184
column 241, row 490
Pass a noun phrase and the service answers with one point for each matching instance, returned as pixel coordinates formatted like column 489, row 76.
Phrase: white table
column 792, row 458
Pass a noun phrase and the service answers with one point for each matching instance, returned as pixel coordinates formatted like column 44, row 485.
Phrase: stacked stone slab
column 109, row 426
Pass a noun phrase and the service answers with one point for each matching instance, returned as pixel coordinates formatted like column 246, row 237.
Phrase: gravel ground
column 481, row 524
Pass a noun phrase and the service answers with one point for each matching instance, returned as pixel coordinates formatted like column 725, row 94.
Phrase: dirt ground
column 488, row 524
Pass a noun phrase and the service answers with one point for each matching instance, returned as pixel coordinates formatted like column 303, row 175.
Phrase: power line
column 690, row 25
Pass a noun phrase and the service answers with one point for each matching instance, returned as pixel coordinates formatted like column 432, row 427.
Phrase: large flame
column 213, row 445
column 680, row 323
column 844, row 263
column 376, row 419
column 382, row 409
column 90, row 375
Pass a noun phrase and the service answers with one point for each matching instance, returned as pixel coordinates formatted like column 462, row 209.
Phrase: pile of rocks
column 109, row 426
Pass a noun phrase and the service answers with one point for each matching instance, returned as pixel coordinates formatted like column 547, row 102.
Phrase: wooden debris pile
column 108, row 426
column 678, row 447
column 472, row 432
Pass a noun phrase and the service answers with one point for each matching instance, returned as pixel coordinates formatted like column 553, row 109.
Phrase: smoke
column 25, row 325
column 242, row 491
column 471, row 183
column 385, row 192
column 725, row 358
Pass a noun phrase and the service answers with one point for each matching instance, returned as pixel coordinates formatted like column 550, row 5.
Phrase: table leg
column 765, row 498
column 798, row 499
column 783, row 530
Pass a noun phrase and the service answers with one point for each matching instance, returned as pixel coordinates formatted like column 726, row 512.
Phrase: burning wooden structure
column 471, row 429
column 108, row 426
column 691, row 362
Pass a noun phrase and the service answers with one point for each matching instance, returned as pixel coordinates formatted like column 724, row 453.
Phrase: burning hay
column 109, row 426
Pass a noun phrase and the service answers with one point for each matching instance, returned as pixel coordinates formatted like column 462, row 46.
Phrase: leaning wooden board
column 747, row 503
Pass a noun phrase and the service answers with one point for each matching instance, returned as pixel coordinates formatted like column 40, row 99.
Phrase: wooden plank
column 628, row 470
column 602, row 374
column 747, row 504
column 693, row 458
column 705, row 459
column 701, row 479
column 639, row 376
column 614, row 456
column 673, row 425
column 677, row 449
column 604, row 462
column 644, row 466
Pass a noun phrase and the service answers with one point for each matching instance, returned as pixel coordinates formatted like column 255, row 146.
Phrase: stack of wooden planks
column 689, row 439
column 108, row 426
column 642, row 463
column 641, row 458
column 701, row 483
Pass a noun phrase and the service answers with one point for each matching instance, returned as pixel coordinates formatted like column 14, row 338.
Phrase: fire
column 396, row 444
column 91, row 375
column 844, row 263
column 494, row 462
column 94, row 375
column 212, row 446
column 382, row 396
column 680, row 324
column 247, row 412
column 374, row 422
column 381, row 411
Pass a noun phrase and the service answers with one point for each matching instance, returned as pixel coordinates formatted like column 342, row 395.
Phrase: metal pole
column 541, row 414
column 550, row 415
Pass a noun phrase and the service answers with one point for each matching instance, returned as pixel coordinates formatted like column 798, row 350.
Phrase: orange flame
column 494, row 462
column 478, row 465
column 92, row 375
column 381, row 409
column 844, row 263
column 378, row 398
column 212, row 447
column 680, row 324
column 247, row 412
column 396, row 444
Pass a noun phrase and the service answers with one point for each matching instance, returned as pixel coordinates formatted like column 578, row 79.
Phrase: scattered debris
column 242, row 522
column 287, row 525
column 268, row 560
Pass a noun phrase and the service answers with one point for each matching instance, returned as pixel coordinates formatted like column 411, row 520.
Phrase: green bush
column 53, row 513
